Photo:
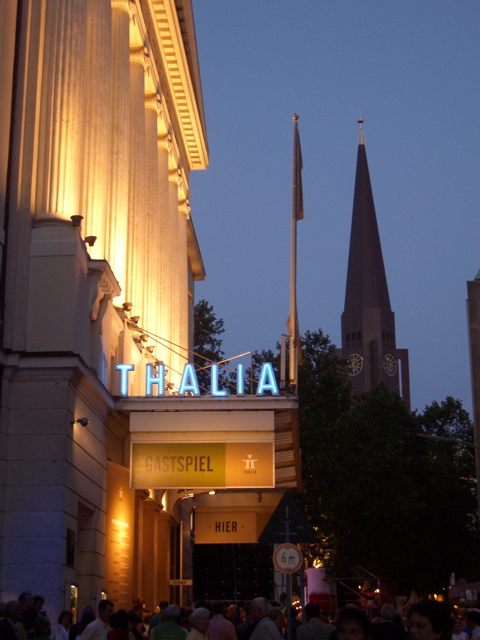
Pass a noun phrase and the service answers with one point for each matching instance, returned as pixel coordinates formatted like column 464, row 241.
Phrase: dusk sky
column 412, row 70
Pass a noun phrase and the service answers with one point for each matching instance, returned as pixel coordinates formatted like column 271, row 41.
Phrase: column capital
column 164, row 142
column 184, row 207
column 124, row 5
column 175, row 176
column 140, row 56
column 153, row 103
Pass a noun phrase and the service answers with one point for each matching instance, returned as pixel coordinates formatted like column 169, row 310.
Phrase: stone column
column 61, row 127
column 97, row 133
column 117, row 224
column 136, row 246
column 164, row 291
column 153, row 237
column 183, row 216
column 173, row 249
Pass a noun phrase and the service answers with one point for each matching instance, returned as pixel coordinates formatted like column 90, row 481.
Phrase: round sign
column 287, row 558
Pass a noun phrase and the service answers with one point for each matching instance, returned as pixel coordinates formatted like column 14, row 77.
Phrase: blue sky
column 412, row 69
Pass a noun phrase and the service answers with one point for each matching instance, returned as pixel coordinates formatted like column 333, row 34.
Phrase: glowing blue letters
column 215, row 390
column 189, row 383
column 124, row 369
column 267, row 380
column 151, row 380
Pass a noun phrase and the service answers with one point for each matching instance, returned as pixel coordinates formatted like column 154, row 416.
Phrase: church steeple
column 366, row 279
column 368, row 322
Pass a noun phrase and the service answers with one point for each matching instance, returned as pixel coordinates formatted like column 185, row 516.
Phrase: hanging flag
column 297, row 173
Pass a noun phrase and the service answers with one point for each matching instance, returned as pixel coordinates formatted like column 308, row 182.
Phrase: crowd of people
column 26, row 619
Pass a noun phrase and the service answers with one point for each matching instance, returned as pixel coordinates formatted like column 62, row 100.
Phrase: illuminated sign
column 225, row 527
column 189, row 383
column 181, row 465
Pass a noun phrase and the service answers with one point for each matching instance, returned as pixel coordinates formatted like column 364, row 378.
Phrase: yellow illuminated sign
column 181, row 465
column 225, row 527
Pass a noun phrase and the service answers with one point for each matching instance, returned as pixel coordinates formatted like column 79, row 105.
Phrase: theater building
column 105, row 447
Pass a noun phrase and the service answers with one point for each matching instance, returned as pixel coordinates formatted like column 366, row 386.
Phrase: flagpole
column 293, row 360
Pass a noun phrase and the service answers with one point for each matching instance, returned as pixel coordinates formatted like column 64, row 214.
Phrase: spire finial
column 360, row 135
column 295, row 117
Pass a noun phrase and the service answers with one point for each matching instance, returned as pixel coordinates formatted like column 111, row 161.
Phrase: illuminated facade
column 101, row 124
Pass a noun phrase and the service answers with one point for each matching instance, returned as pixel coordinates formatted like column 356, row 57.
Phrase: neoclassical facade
column 101, row 124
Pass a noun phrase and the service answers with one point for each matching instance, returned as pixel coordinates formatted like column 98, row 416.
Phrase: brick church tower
column 368, row 322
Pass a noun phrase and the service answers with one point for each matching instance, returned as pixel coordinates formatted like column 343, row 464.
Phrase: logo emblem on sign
column 250, row 464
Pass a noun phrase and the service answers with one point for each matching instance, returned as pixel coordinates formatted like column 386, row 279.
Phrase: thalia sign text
column 189, row 383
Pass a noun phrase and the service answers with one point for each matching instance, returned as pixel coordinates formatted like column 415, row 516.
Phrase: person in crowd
column 219, row 627
column 245, row 630
column 472, row 620
column 29, row 614
column 99, row 628
column 8, row 624
column 136, row 625
column 390, row 626
column 87, row 616
column 314, row 628
column 294, row 623
column 159, row 617
column 277, row 616
column 353, row 624
column 457, row 632
column 199, row 621
column 233, row 614
column 60, row 630
column 429, row 620
column 185, row 618
column 120, row 626
column 41, row 628
column 265, row 629
column 170, row 629
column 38, row 602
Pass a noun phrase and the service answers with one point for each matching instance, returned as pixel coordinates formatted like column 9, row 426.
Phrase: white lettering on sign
column 189, row 382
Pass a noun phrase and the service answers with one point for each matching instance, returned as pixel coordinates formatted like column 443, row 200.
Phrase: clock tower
column 368, row 322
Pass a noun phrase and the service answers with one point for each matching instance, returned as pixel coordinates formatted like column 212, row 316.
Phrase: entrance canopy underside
column 286, row 424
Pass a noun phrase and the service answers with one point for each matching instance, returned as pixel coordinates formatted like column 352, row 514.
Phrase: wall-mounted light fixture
column 127, row 306
column 90, row 240
column 150, row 348
column 134, row 319
column 82, row 421
column 76, row 220
column 144, row 338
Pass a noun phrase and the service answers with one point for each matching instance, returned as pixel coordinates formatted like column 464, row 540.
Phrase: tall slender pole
column 297, row 214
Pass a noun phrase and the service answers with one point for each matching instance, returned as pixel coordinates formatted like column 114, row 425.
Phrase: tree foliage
column 207, row 344
column 378, row 495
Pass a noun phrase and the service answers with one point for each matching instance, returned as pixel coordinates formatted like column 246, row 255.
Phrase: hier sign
column 225, row 527
column 200, row 465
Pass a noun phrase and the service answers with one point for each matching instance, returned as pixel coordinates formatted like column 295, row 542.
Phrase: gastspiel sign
column 178, row 465
column 189, row 383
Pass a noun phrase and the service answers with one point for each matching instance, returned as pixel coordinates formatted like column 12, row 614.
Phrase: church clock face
column 354, row 364
column 389, row 364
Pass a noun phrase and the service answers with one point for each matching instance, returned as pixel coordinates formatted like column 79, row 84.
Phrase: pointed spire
column 366, row 279
column 360, row 133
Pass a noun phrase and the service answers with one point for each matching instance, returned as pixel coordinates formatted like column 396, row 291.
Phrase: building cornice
column 177, row 49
